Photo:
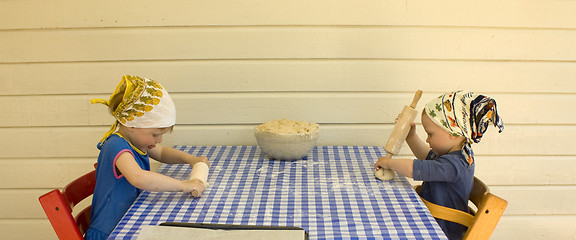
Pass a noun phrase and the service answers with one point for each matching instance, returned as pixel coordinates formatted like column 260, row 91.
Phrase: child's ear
column 459, row 139
column 452, row 137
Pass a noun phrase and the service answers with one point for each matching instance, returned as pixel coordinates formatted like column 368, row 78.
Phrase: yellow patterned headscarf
column 144, row 103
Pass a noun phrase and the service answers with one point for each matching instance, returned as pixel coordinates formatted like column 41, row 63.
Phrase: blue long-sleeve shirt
column 447, row 181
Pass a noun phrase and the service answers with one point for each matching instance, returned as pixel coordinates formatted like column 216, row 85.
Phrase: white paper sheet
column 170, row 232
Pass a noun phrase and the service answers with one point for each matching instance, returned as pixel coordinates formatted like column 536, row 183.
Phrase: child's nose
column 159, row 139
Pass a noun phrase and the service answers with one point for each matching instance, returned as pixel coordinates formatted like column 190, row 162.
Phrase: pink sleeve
column 116, row 158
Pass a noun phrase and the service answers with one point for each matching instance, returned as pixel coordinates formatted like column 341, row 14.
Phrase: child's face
column 147, row 138
column 440, row 140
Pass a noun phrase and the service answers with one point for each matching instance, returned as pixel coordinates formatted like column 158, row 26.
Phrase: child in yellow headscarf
column 144, row 112
column 453, row 122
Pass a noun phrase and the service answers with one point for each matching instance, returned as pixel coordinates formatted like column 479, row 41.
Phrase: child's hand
column 199, row 159
column 382, row 162
column 195, row 187
column 412, row 131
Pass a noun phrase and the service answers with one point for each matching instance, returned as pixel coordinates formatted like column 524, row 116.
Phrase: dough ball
column 384, row 174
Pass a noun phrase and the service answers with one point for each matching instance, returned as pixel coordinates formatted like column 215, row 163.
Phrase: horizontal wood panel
column 81, row 141
column 26, row 229
column 537, row 200
column 297, row 43
column 42, row 172
column 51, row 111
column 254, row 108
column 526, row 170
column 535, row 227
column 25, row 204
column 293, row 75
column 511, row 13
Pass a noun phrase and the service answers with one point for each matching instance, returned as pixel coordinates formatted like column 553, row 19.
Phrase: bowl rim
column 315, row 133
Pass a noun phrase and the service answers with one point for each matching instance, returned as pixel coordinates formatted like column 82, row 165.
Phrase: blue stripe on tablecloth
column 362, row 196
column 203, row 208
column 335, row 198
column 319, row 226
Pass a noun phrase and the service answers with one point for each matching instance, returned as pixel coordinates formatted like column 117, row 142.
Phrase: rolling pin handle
column 417, row 96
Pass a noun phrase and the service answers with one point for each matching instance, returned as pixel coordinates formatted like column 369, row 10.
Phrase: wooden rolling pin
column 402, row 126
column 200, row 173
column 398, row 136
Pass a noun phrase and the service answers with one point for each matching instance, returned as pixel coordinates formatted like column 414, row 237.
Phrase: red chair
column 58, row 207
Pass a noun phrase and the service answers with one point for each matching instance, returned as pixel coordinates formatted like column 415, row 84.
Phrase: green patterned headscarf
column 464, row 114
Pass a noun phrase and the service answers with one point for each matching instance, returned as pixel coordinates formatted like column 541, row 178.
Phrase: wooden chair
column 58, row 207
column 480, row 223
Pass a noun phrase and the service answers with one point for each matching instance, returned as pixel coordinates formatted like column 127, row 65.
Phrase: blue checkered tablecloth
column 332, row 194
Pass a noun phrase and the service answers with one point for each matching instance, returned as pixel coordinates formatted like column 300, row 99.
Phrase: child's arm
column 401, row 165
column 404, row 165
column 419, row 148
column 152, row 181
column 174, row 156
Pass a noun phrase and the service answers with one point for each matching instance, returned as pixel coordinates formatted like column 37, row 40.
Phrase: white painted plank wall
column 348, row 65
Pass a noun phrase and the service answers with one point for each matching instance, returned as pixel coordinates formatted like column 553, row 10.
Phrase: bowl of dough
column 284, row 139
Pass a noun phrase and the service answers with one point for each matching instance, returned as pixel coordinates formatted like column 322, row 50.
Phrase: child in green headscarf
column 445, row 162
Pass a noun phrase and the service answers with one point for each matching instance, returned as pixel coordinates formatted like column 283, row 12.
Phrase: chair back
column 482, row 222
column 490, row 210
column 58, row 207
